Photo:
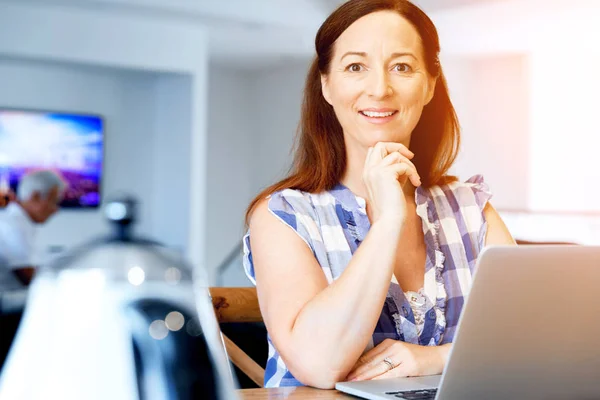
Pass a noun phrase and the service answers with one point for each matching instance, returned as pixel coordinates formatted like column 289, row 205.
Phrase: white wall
column 492, row 98
column 277, row 97
column 233, row 146
column 253, row 118
column 565, row 132
column 128, row 151
column 171, row 170
column 517, row 26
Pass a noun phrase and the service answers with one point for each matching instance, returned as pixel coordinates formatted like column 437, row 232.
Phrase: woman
column 370, row 280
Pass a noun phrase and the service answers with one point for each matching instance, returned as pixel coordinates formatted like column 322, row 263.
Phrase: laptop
column 529, row 330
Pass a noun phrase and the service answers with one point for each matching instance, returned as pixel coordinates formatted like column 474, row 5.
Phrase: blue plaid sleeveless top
column 334, row 223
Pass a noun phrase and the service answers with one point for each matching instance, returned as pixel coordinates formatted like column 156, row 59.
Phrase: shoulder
column 457, row 205
column 474, row 193
column 16, row 242
column 16, row 216
column 474, row 186
column 283, row 220
column 288, row 205
column 15, row 222
column 295, row 209
column 497, row 231
column 471, row 200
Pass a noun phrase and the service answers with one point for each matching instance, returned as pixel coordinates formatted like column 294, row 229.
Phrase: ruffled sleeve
column 294, row 209
column 481, row 195
column 480, row 189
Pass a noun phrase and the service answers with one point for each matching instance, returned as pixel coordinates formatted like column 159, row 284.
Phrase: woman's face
column 377, row 82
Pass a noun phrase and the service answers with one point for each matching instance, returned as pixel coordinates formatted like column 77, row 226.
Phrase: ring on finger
column 389, row 363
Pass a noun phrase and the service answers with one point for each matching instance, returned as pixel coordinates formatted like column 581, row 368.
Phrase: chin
column 372, row 140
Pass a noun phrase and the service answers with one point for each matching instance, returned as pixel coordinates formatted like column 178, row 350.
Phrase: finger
column 369, row 161
column 370, row 360
column 398, row 372
column 382, row 149
column 406, row 160
column 415, row 178
column 371, row 371
column 402, row 169
column 392, row 158
column 386, row 148
column 373, row 157
column 373, row 353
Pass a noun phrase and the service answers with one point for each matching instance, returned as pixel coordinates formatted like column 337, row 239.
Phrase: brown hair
column 320, row 153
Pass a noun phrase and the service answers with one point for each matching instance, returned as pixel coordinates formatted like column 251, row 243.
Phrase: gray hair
column 41, row 182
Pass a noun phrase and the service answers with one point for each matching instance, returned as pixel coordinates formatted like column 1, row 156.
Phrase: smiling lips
column 378, row 116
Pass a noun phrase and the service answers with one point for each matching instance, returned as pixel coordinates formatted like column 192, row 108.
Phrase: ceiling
column 287, row 30
column 439, row 5
column 291, row 33
column 426, row 5
column 247, row 33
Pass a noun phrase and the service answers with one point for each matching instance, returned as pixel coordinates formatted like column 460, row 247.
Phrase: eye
column 402, row 67
column 354, row 68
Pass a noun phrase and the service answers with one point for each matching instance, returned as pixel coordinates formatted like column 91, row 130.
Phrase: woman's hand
column 387, row 169
column 406, row 359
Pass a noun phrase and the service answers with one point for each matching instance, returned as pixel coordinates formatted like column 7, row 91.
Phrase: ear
column 325, row 88
column 430, row 89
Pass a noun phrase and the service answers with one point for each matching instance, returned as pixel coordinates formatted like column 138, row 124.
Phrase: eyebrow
column 363, row 54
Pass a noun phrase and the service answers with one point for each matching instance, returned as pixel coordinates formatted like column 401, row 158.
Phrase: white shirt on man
column 17, row 234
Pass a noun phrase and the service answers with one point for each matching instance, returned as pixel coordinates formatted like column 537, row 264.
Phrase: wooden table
column 292, row 393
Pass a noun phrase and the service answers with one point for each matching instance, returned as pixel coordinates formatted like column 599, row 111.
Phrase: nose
column 378, row 85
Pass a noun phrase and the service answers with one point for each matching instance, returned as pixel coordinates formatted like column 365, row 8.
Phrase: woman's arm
column 497, row 232
column 320, row 330
column 416, row 360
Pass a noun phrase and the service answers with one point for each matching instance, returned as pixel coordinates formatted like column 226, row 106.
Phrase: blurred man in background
column 38, row 195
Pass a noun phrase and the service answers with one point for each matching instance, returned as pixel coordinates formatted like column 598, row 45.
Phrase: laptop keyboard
column 424, row 394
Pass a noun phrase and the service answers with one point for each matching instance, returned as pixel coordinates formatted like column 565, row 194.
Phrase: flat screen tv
column 70, row 144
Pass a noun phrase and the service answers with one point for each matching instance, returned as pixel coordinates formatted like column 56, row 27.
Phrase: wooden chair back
column 238, row 304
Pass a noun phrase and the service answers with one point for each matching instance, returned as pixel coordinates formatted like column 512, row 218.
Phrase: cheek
column 415, row 99
column 345, row 93
column 412, row 94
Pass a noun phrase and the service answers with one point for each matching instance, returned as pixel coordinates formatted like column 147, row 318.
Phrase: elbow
column 327, row 382
column 320, row 366
column 317, row 374
column 319, row 380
